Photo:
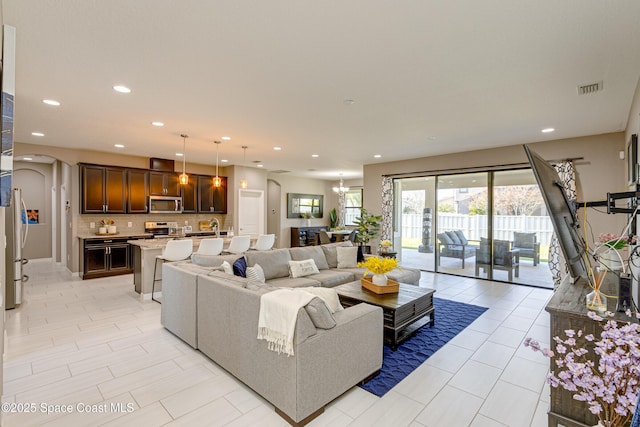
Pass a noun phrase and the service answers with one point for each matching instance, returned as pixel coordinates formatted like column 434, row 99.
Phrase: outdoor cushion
column 461, row 237
column 445, row 239
column 454, row 237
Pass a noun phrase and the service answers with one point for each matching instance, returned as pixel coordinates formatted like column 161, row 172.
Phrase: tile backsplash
column 137, row 221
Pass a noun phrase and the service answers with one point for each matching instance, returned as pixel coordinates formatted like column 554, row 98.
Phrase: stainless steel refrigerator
column 17, row 230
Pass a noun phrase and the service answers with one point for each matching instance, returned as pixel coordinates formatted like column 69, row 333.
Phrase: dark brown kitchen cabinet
column 138, row 195
column 212, row 199
column 106, row 257
column 103, row 189
column 189, row 195
column 164, row 184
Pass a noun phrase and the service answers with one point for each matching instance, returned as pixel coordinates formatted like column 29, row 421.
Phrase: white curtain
column 387, row 209
column 557, row 263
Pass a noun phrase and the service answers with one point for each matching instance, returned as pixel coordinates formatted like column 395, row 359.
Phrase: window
column 352, row 205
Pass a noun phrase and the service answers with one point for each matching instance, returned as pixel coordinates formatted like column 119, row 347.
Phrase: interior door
column 250, row 212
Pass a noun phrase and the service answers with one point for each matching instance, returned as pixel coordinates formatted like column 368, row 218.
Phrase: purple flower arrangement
column 609, row 385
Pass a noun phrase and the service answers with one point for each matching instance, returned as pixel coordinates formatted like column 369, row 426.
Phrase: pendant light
column 217, row 182
column 184, row 178
column 243, row 181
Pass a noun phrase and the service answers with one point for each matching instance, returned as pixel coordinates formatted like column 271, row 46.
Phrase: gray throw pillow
column 320, row 314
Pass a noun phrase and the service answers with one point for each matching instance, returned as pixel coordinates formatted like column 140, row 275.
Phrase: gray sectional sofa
column 217, row 313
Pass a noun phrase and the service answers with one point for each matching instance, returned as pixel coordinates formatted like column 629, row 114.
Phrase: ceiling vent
column 590, row 88
column 279, row 171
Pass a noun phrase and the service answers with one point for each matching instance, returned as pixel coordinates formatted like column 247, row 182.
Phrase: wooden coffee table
column 403, row 312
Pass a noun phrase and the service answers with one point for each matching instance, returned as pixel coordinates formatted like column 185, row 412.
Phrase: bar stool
column 176, row 250
column 212, row 246
column 239, row 244
column 264, row 242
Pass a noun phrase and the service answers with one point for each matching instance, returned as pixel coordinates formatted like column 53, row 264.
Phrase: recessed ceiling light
column 121, row 89
column 27, row 158
column 277, row 148
column 118, row 145
column 37, row 133
column 377, row 156
column 226, row 138
column 224, row 161
column 431, row 138
column 51, row 102
column 259, row 166
column 349, row 102
column 315, row 155
column 179, row 154
column 547, row 130
column 157, row 123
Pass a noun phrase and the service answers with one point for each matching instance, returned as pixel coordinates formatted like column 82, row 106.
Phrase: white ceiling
column 427, row 77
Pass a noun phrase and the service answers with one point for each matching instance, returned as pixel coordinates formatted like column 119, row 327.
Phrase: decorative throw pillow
column 227, row 267
column 347, row 256
column 240, row 267
column 319, row 313
column 256, row 273
column 302, row 268
column 328, row 295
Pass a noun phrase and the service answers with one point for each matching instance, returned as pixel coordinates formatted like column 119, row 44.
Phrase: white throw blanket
column 277, row 318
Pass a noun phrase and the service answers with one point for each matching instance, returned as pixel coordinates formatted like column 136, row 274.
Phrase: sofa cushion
column 302, row 268
column 310, row 252
column 331, row 278
column 236, row 280
column 347, row 257
column 320, row 314
column 274, row 263
column 331, row 254
column 288, row 282
column 213, row 260
column 255, row 273
column 240, row 267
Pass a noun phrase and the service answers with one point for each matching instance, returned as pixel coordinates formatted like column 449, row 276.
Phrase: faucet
column 217, row 222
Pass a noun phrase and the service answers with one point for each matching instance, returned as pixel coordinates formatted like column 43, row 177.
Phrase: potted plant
column 333, row 219
column 367, row 227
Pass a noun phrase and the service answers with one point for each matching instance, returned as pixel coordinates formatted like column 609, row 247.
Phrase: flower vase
column 596, row 301
column 379, row 279
column 611, row 258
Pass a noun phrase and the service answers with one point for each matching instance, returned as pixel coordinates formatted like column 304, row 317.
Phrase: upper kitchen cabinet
column 138, row 191
column 164, row 184
column 190, row 195
column 103, row 189
column 212, row 199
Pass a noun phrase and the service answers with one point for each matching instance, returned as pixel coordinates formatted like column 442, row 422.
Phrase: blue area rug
column 451, row 318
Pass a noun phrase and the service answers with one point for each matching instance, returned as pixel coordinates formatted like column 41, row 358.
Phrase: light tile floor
column 93, row 345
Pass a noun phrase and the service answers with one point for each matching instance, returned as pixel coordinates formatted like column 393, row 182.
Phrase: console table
column 567, row 310
column 304, row 236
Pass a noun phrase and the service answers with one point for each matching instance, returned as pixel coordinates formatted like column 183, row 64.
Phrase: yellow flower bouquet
column 375, row 265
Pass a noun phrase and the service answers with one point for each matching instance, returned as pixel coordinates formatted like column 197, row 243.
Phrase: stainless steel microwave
column 165, row 204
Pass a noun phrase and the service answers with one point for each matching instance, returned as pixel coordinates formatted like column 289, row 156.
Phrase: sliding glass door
column 490, row 225
column 462, row 219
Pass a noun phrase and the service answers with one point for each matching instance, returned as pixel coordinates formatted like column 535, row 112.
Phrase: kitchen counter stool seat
column 176, row 250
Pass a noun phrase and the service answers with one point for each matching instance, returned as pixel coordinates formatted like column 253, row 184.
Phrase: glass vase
column 596, row 301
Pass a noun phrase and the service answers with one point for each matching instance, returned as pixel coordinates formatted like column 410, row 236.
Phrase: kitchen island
column 145, row 252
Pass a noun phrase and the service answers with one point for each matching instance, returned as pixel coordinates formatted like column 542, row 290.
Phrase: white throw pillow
column 227, row 267
column 256, row 273
column 347, row 256
column 302, row 268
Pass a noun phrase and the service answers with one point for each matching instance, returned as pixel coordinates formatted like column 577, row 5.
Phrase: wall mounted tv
column 562, row 212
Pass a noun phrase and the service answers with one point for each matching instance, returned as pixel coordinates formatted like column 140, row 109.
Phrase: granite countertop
column 119, row 235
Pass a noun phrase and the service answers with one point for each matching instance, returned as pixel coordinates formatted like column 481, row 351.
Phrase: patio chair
column 528, row 245
column 454, row 244
column 504, row 258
